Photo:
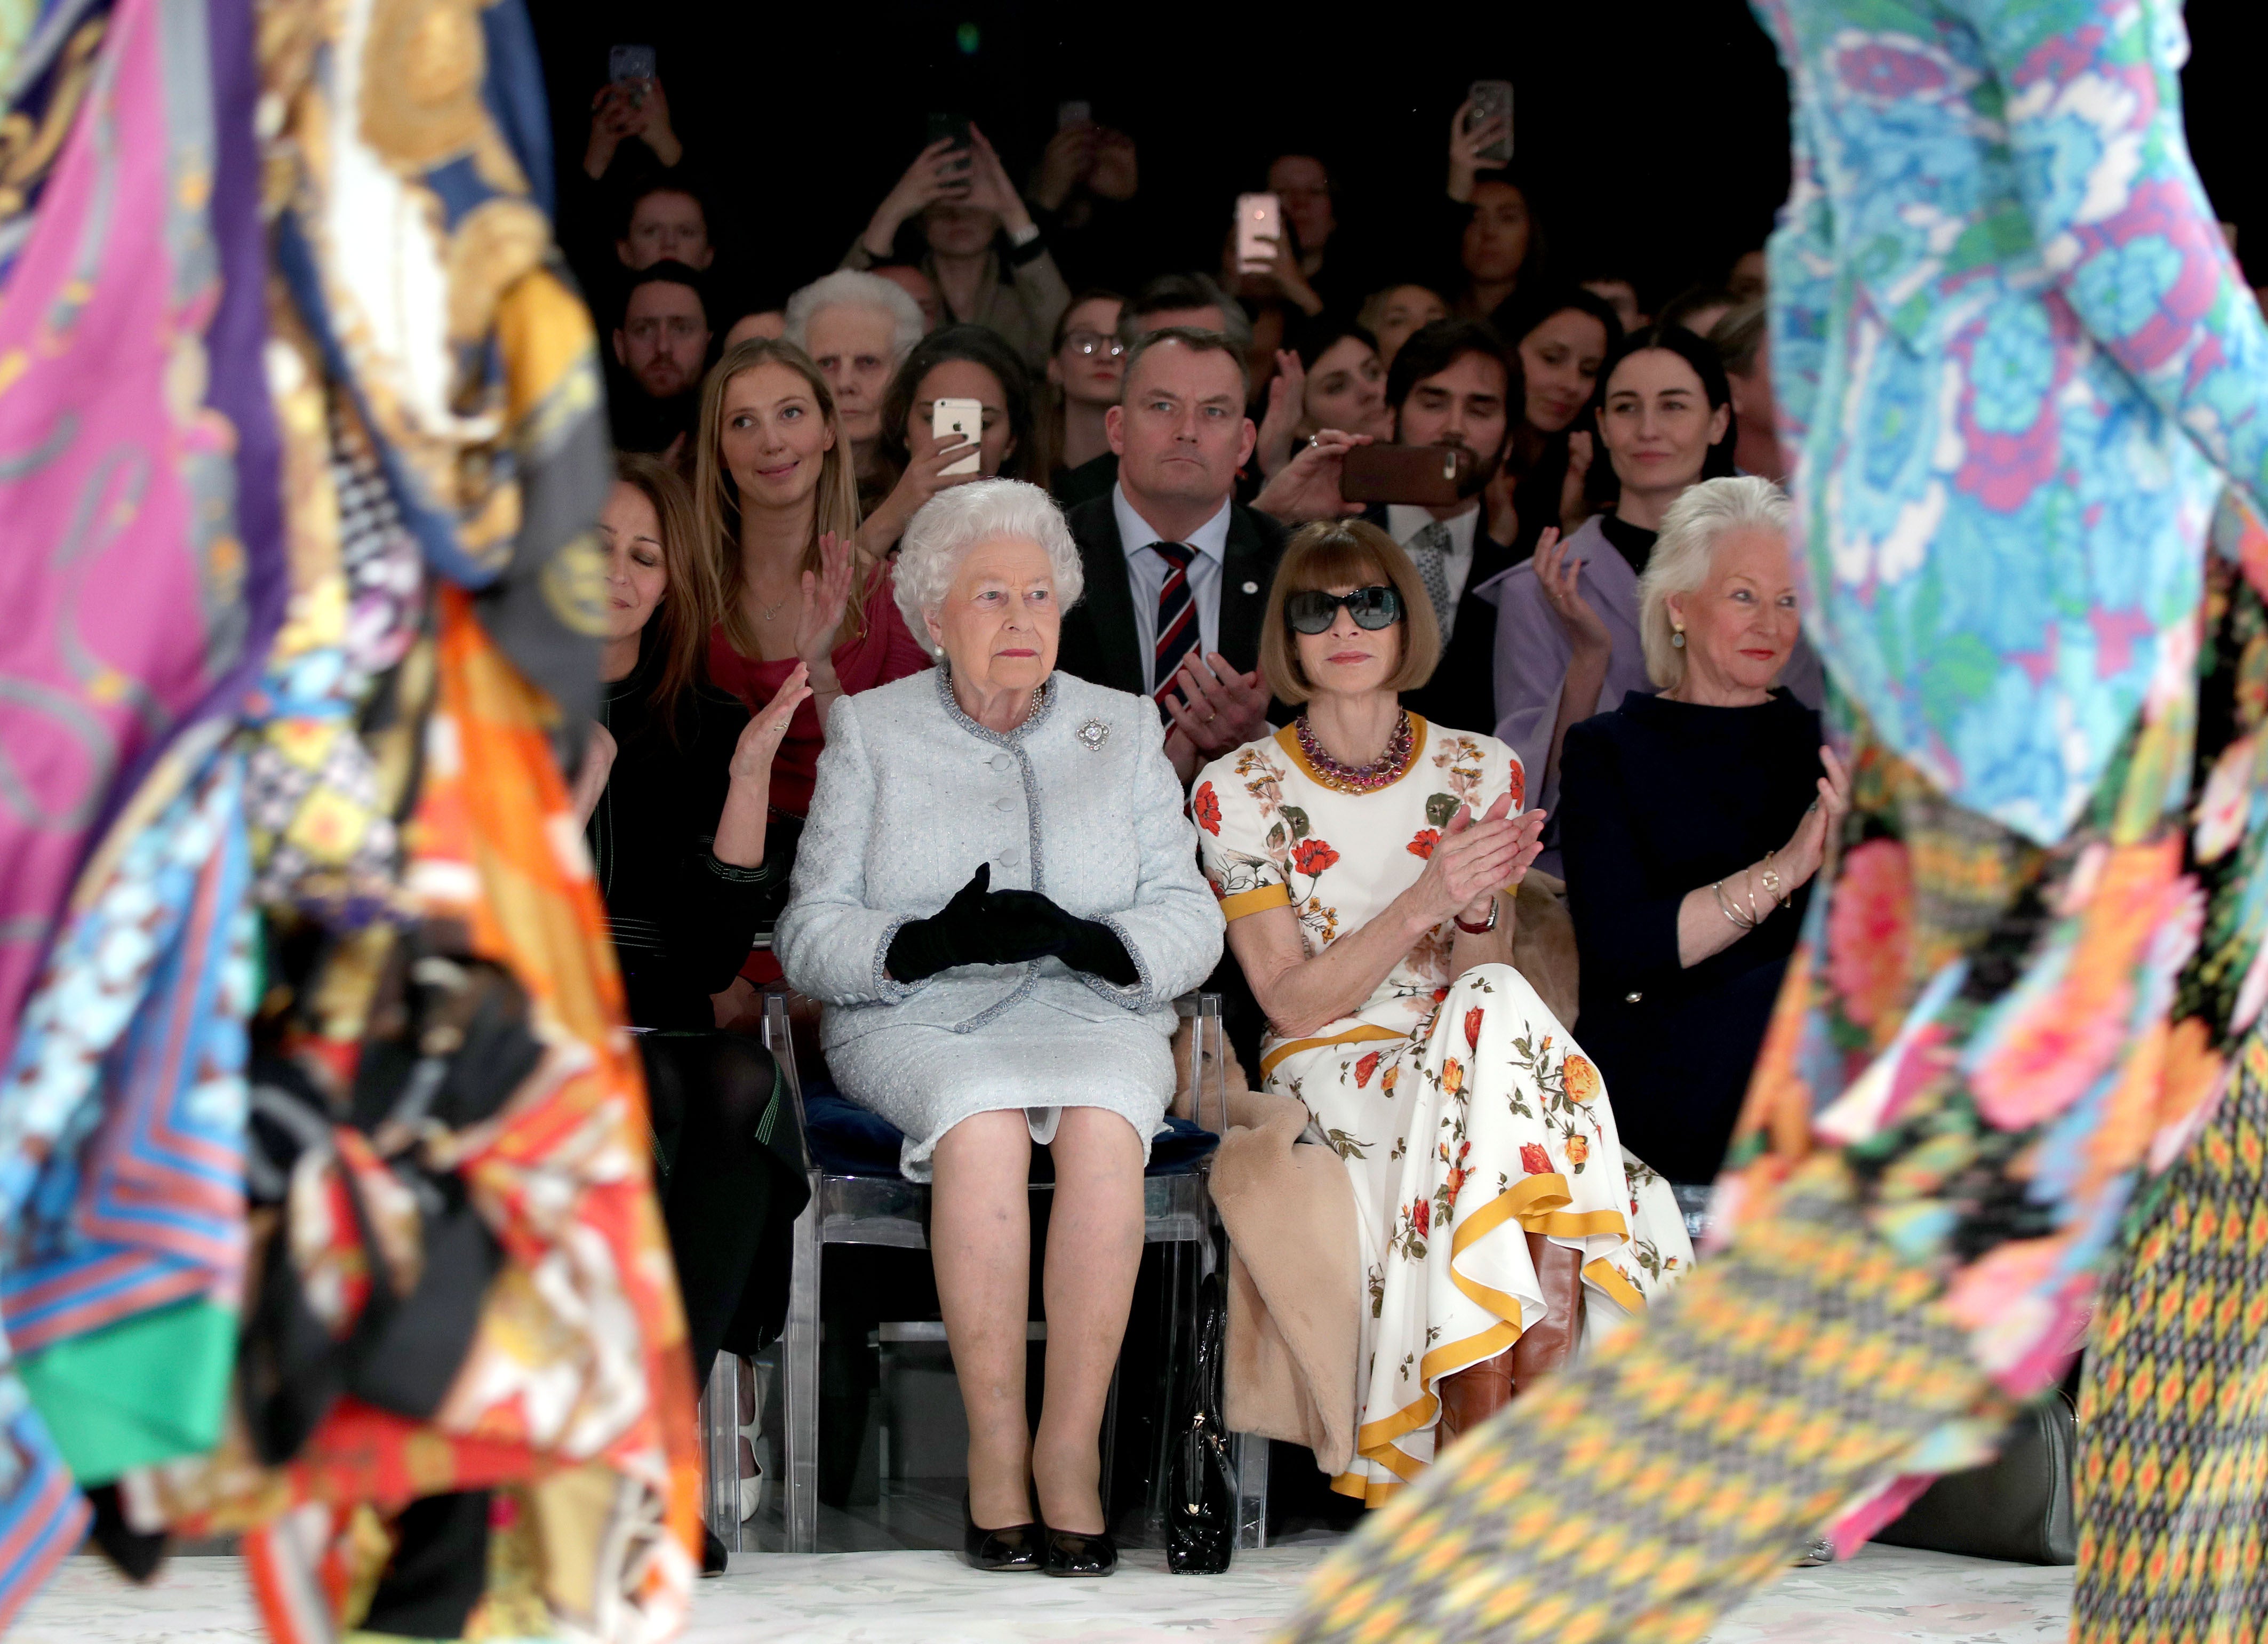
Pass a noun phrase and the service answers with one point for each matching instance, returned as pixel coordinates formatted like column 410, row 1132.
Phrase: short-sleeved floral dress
column 1466, row 1114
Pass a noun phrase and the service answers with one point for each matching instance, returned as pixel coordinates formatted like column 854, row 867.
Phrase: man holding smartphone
column 1455, row 384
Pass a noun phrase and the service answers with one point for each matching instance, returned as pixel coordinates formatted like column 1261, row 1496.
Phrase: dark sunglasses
column 1314, row 612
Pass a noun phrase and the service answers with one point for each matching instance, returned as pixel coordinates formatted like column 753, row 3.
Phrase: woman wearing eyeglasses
column 1085, row 369
column 1364, row 860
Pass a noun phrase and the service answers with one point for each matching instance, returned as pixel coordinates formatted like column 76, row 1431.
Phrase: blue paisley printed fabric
column 2014, row 360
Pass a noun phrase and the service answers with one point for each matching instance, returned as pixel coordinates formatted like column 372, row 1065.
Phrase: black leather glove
column 979, row 926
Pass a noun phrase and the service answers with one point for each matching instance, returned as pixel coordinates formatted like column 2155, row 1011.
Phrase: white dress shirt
column 1403, row 522
column 1145, row 576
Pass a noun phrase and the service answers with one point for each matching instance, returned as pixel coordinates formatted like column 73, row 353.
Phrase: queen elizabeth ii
column 997, row 900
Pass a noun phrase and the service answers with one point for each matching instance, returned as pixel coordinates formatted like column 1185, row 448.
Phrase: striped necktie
column 1177, row 615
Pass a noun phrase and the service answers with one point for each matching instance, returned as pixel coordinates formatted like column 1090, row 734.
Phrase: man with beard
column 1455, row 383
column 661, row 347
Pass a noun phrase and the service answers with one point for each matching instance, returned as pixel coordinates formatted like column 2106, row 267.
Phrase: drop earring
column 1677, row 637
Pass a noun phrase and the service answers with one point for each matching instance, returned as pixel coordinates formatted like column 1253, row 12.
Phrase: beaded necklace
column 1340, row 777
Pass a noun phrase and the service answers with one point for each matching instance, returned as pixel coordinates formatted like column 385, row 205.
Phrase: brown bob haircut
column 1345, row 554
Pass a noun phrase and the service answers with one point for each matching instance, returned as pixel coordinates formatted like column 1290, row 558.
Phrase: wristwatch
column 1478, row 930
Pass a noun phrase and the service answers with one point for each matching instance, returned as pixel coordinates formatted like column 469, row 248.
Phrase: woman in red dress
column 778, row 506
column 779, row 520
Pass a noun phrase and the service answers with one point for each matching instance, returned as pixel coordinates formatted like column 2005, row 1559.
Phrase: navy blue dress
column 1655, row 799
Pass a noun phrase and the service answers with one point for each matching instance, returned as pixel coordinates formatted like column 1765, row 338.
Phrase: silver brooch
column 1095, row 734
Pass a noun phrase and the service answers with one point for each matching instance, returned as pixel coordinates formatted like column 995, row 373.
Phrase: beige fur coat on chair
column 1294, row 1268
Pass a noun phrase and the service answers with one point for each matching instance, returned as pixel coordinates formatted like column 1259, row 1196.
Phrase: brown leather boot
column 1471, row 1395
column 1551, row 1342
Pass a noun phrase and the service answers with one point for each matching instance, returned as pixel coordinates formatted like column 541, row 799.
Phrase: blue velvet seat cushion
column 848, row 1140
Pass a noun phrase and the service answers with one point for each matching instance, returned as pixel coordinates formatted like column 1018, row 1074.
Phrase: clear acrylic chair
column 892, row 1212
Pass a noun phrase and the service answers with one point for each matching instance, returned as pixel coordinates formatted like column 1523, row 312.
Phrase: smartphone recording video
column 1429, row 476
column 1259, row 226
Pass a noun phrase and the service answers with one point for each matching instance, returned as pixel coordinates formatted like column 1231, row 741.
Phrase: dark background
column 1648, row 132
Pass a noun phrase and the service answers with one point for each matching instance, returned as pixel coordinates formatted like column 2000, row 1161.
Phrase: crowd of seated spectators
column 960, row 595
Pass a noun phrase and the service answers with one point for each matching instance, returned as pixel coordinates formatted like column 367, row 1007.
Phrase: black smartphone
column 953, row 128
column 1491, row 99
column 1426, row 475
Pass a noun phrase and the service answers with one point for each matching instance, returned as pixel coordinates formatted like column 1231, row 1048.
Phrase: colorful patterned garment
column 412, row 180
column 1980, row 1048
column 121, row 1131
column 577, row 1371
column 137, row 450
column 2173, row 1451
column 2010, row 349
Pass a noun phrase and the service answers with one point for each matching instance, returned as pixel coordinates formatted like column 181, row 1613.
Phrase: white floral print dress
column 1467, row 1115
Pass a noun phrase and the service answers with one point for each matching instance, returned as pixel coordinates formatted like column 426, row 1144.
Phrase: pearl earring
column 1678, row 638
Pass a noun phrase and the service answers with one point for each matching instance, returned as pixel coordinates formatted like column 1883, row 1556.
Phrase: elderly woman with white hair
column 997, row 900
column 1692, row 823
column 858, row 328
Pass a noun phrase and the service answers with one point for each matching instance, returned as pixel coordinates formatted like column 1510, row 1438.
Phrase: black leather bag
column 1200, row 1475
column 2017, row 1508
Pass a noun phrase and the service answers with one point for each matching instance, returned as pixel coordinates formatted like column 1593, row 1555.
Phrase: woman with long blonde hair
column 776, row 497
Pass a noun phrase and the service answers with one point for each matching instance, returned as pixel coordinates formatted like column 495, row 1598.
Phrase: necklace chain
column 1336, row 774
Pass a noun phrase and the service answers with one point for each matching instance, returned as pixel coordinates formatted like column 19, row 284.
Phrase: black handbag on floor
column 2017, row 1508
column 1200, row 1477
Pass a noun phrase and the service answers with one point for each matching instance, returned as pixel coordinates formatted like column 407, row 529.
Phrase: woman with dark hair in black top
column 674, row 797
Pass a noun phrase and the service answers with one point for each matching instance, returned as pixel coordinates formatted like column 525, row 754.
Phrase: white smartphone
column 953, row 421
column 1491, row 99
column 1259, row 226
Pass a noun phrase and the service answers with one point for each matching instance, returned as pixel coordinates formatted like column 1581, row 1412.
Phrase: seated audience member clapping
column 856, row 327
column 1692, row 823
column 976, row 244
column 1083, row 373
column 661, row 347
column 1567, row 637
column 1176, row 569
column 674, row 794
column 1329, row 377
column 997, row 902
column 1365, row 860
column 777, row 517
column 957, row 363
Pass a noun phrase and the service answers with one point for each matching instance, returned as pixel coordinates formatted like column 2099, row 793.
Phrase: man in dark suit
column 1455, row 383
column 1189, row 300
column 1177, row 572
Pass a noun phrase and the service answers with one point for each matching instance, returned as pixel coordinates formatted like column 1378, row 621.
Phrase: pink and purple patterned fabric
column 2015, row 361
column 144, row 579
column 144, row 576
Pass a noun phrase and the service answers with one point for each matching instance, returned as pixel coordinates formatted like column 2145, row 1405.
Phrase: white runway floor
column 1885, row 1595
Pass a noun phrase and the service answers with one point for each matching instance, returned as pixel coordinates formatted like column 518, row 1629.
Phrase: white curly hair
column 1691, row 528
column 855, row 288
column 955, row 520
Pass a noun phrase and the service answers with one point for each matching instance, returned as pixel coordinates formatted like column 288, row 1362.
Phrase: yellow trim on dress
column 1609, row 1278
column 1288, row 739
column 1258, row 900
column 1352, row 1035
column 1537, row 1204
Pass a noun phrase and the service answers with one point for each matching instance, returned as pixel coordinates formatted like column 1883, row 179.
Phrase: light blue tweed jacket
column 2014, row 361
column 1078, row 802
